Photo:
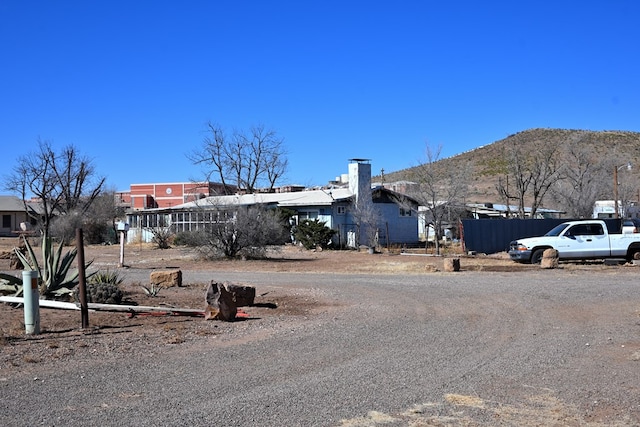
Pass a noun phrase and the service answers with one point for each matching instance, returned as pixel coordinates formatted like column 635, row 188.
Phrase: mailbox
column 123, row 226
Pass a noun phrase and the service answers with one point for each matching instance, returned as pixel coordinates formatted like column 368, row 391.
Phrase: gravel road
column 548, row 347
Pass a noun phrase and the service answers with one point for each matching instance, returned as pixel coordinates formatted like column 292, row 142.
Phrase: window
column 6, row 221
column 405, row 212
column 586, row 230
column 341, row 210
column 302, row 215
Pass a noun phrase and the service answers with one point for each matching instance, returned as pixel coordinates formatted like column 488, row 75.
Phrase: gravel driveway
column 548, row 347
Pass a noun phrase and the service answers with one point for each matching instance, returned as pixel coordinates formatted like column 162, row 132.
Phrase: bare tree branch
column 442, row 192
column 60, row 183
column 249, row 160
column 582, row 182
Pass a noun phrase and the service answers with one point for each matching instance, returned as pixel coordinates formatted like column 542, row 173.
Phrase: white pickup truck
column 576, row 240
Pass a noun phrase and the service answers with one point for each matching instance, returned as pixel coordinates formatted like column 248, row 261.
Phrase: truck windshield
column 555, row 231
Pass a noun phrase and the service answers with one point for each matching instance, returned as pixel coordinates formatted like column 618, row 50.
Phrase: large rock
column 549, row 259
column 452, row 264
column 220, row 304
column 166, row 278
column 243, row 295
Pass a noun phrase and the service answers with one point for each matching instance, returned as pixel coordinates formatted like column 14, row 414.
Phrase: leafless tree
column 367, row 219
column 532, row 170
column 442, row 192
column 584, row 180
column 504, row 193
column 245, row 161
column 63, row 182
column 620, row 168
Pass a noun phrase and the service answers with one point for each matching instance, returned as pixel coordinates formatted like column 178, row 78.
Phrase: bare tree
column 533, row 170
column 584, row 180
column 245, row 160
column 502, row 187
column 442, row 192
column 62, row 183
column 367, row 219
column 622, row 170
column 516, row 168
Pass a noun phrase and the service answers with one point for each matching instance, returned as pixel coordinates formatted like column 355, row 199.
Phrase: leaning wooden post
column 82, row 286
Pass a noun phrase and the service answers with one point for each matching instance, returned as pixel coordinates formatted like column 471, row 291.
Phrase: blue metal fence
column 491, row 236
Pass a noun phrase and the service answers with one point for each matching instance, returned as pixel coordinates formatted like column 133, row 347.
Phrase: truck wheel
column 634, row 254
column 536, row 257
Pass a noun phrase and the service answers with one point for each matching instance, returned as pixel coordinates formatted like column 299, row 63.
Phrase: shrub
column 314, row 233
column 245, row 232
column 189, row 238
column 162, row 237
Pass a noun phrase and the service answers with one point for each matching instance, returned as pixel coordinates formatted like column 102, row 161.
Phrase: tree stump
column 550, row 259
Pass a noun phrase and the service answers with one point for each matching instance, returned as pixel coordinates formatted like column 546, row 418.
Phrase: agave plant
column 106, row 276
column 153, row 290
column 10, row 285
column 56, row 276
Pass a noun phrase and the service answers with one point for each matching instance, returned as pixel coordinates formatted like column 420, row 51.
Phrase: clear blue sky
column 132, row 83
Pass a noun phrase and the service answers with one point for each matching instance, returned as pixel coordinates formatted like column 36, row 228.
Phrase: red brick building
column 165, row 195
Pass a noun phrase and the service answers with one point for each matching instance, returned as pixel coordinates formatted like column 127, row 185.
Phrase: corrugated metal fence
column 491, row 236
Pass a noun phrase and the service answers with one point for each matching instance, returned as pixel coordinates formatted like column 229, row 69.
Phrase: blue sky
column 132, row 83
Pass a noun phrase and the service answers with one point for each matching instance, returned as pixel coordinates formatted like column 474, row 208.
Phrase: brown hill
column 605, row 150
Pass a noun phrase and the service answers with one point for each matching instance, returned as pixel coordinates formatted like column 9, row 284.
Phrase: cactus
column 103, row 293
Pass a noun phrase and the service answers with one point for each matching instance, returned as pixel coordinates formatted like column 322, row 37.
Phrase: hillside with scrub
column 561, row 169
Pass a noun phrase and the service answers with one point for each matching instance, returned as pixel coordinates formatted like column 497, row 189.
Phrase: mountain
column 604, row 150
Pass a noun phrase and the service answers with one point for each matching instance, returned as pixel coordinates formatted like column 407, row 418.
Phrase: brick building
column 166, row 195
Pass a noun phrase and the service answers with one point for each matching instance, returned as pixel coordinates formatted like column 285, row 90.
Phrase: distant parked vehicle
column 631, row 225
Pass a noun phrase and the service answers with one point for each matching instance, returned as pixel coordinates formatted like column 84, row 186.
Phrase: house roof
column 317, row 197
column 292, row 199
column 14, row 204
column 11, row 204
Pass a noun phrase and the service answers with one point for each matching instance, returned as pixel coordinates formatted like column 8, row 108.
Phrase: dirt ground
column 61, row 333
column 62, row 340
